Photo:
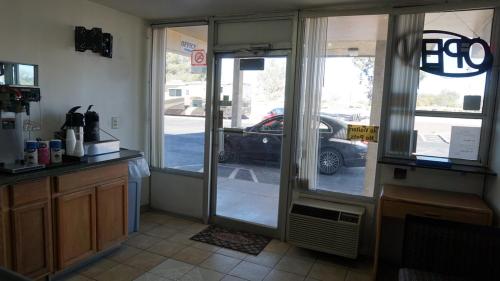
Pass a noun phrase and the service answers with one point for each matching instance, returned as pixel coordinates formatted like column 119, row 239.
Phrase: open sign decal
column 458, row 48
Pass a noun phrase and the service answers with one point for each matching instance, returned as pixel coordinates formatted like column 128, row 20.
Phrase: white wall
column 178, row 194
column 492, row 188
column 434, row 179
column 42, row 32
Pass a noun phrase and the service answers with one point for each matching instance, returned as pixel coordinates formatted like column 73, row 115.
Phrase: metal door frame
column 286, row 160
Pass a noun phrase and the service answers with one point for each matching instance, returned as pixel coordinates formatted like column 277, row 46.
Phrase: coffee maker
column 14, row 108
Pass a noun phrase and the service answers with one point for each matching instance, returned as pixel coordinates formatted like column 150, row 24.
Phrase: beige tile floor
column 162, row 251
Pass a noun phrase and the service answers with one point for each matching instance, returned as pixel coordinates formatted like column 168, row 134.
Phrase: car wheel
column 330, row 161
column 225, row 155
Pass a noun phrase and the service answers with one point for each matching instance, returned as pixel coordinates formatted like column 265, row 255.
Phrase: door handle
column 220, row 121
column 233, row 131
column 265, row 134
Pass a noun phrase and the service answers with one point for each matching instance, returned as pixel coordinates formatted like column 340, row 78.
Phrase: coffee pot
column 91, row 129
column 74, row 132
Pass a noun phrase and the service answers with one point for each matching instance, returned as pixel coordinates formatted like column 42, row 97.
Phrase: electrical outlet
column 399, row 173
column 115, row 122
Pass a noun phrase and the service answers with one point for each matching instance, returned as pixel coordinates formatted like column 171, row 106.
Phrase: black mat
column 231, row 239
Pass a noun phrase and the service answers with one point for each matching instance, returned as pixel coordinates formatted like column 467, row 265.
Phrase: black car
column 262, row 142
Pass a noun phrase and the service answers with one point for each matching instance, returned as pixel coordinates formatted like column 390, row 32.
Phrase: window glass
column 185, row 95
column 434, row 135
column 439, row 93
column 251, row 102
column 26, row 75
column 175, row 92
column 451, row 95
column 351, row 94
column 323, row 128
column 340, row 131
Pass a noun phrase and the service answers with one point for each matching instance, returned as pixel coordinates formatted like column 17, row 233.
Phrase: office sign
column 362, row 132
column 188, row 46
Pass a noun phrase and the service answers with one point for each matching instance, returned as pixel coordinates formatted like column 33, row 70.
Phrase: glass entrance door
column 249, row 141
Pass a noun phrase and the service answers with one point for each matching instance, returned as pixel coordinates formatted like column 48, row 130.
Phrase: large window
column 185, row 95
column 351, row 95
column 450, row 110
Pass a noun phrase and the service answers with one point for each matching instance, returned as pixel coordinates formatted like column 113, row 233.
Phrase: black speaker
column 80, row 39
column 107, row 50
column 94, row 40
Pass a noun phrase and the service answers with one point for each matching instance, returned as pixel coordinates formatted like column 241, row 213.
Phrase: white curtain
column 158, row 71
column 312, row 77
column 404, row 84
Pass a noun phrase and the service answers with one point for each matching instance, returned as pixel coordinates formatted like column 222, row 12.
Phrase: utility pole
column 237, row 95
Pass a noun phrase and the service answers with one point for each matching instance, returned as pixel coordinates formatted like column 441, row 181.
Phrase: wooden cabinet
column 66, row 218
column 73, row 181
column 5, row 237
column 112, row 213
column 75, row 226
column 31, row 228
column 400, row 201
column 32, row 236
column 91, row 212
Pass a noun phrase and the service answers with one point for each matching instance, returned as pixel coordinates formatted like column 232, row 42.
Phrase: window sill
column 469, row 169
column 326, row 195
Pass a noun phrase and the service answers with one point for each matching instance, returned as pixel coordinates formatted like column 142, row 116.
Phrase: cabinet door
column 5, row 228
column 32, row 235
column 112, row 213
column 76, row 226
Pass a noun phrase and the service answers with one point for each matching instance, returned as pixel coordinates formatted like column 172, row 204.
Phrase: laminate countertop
column 71, row 166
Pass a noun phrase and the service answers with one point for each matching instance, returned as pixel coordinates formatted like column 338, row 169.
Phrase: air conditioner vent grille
column 315, row 212
column 351, row 218
column 332, row 228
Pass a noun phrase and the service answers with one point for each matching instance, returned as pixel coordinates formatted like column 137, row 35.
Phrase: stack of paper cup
column 55, row 151
column 31, row 152
column 43, row 153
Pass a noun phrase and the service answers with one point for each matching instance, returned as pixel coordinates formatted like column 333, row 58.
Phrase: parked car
column 274, row 112
column 262, row 142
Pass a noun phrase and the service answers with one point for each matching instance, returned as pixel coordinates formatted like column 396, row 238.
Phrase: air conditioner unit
column 325, row 226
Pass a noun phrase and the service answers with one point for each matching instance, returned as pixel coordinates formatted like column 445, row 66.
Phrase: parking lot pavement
column 347, row 180
column 185, row 152
column 432, row 144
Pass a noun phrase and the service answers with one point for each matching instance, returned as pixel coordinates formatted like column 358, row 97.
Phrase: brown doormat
column 241, row 241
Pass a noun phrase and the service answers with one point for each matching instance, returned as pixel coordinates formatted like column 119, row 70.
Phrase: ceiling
column 165, row 9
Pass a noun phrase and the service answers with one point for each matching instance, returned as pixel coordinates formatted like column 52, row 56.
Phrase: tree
column 272, row 79
column 445, row 99
column 366, row 66
column 179, row 68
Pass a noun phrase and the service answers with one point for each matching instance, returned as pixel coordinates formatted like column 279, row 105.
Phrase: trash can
column 137, row 169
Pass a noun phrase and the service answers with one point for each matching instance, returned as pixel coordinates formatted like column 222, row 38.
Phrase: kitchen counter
column 56, row 218
column 67, row 167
